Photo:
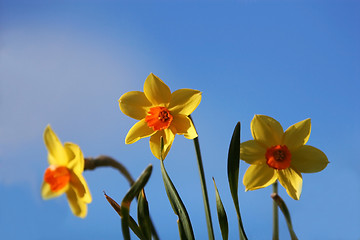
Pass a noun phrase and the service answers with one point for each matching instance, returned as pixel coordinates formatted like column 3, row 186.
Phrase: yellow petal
column 168, row 137
column 252, row 152
column 75, row 156
column 139, row 130
column 291, row 180
column 57, row 154
column 259, row 176
column 78, row 207
column 80, row 186
column 184, row 101
column 297, row 135
column 183, row 126
column 191, row 133
column 266, row 130
column 134, row 104
column 46, row 192
column 87, row 198
column 157, row 91
column 308, row 159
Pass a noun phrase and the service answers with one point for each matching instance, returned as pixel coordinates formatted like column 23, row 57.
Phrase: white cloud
column 54, row 77
column 47, row 75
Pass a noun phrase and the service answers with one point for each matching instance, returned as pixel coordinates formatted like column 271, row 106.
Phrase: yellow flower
column 64, row 175
column 161, row 113
column 278, row 155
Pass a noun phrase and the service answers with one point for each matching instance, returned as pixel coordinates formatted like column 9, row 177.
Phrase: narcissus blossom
column 160, row 113
column 278, row 155
column 64, row 175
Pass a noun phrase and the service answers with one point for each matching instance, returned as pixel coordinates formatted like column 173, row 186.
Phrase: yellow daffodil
column 278, row 155
column 161, row 113
column 64, row 175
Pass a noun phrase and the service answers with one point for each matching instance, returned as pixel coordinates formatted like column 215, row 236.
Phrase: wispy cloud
column 53, row 77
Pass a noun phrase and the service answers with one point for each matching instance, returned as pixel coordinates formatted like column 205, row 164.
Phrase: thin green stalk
column 275, row 214
column 281, row 204
column 203, row 188
column 92, row 163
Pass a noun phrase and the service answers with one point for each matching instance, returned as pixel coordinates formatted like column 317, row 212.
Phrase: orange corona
column 57, row 177
column 278, row 157
column 158, row 118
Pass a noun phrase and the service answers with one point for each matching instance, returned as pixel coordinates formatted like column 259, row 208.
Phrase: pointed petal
column 134, row 104
column 252, row 152
column 266, row 130
column 168, row 137
column 308, row 159
column 297, row 135
column 57, row 155
column 78, row 207
column 46, row 192
column 87, row 198
column 183, row 125
column 259, row 176
column 80, row 186
column 191, row 133
column 75, row 156
column 184, row 101
column 139, row 130
column 157, row 91
column 291, row 180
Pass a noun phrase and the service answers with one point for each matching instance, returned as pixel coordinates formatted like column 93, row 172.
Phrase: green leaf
column 130, row 195
column 203, row 188
column 233, row 174
column 133, row 225
column 135, row 228
column 137, row 186
column 143, row 215
column 125, row 222
column 176, row 202
column 181, row 231
column 234, row 162
column 113, row 203
column 280, row 202
column 223, row 222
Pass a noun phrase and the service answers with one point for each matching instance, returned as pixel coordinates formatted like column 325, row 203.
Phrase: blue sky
column 66, row 63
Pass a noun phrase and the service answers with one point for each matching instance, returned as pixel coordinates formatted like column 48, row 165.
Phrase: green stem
column 105, row 161
column 92, row 163
column 203, row 188
column 275, row 214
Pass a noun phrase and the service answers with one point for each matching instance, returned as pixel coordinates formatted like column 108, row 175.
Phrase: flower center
column 158, row 118
column 57, row 177
column 278, row 157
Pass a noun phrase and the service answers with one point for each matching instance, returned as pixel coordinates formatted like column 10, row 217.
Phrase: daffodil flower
column 64, row 175
column 160, row 113
column 278, row 155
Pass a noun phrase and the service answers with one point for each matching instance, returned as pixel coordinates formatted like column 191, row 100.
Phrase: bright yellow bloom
column 64, row 175
column 278, row 155
column 161, row 113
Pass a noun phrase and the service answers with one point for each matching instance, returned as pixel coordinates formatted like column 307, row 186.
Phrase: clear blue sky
column 66, row 63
